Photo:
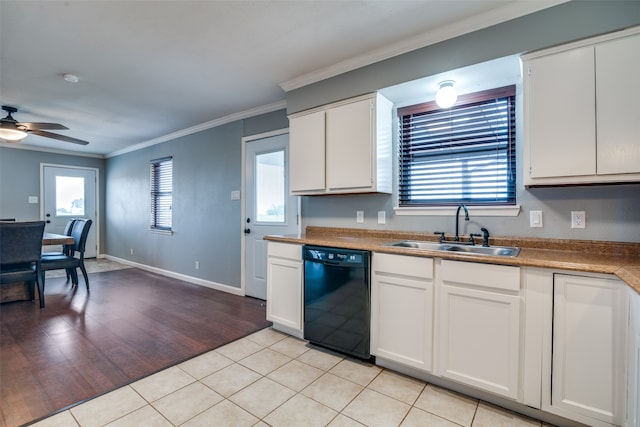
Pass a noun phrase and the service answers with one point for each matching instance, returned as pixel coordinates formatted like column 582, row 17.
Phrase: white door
column 69, row 192
column 269, row 209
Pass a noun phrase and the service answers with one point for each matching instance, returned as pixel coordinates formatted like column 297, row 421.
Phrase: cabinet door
column 560, row 114
column 350, row 137
column 589, row 330
column 402, row 310
column 284, row 288
column 618, row 91
column 307, row 153
column 633, row 386
column 479, row 339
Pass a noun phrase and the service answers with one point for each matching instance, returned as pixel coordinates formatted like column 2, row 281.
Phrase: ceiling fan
column 13, row 131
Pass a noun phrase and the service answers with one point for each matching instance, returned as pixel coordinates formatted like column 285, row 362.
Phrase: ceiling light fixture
column 71, row 78
column 446, row 95
column 11, row 134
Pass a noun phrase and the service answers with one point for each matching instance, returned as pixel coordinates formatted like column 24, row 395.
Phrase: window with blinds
column 161, row 193
column 464, row 154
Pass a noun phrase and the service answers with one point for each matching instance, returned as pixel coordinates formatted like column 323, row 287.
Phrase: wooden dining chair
column 20, row 251
column 72, row 260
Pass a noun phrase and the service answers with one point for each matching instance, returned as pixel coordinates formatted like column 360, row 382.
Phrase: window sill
column 511, row 210
column 165, row 232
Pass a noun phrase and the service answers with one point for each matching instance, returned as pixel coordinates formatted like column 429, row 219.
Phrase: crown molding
column 203, row 126
column 20, row 146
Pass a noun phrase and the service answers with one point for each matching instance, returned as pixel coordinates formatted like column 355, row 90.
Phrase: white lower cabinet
column 285, row 287
column 589, row 346
column 402, row 310
column 633, row 385
column 479, row 337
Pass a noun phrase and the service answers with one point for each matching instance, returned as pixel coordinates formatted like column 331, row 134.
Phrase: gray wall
column 207, row 166
column 566, row 22
column 20, row 178
column 612, row 212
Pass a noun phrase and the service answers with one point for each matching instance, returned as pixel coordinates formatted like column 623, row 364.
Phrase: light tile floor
column 272, row 379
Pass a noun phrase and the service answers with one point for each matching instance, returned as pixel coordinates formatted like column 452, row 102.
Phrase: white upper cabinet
column 561, row 119
column 306, row 153
column 581, row 123
column 617, row 94
column 343, row 147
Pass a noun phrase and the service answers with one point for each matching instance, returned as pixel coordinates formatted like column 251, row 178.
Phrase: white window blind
column 161, row 193
column 464, row 154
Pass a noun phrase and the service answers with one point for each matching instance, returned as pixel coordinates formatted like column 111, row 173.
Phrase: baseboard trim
column 195, row 280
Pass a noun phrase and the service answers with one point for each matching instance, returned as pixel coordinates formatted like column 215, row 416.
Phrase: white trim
column 264, row 135
column 451, row 210
column 581, row 43
column 20, row 146
column 197, row 281
column 157, row 231
column 203, row 126
column 492, row 17
column 97, row 190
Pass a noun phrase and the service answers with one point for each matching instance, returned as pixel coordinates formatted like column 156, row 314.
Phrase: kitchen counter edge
column 625, row 266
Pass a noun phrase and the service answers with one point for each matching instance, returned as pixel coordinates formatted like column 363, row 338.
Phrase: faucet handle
column 471, row 236
column 485, row 237
column 441, row 233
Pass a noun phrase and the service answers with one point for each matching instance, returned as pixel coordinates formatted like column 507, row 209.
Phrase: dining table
column 51, row 239
column 18, row 291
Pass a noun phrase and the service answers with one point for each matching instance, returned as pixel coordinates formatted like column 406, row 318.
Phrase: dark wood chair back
column 20, row 242
column 80, row 232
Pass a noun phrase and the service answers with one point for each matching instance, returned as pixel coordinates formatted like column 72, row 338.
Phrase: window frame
column 158, row 168
column 505, row 207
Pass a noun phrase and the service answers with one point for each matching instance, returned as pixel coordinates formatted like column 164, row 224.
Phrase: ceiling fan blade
column 39, row 125
column 58, row 137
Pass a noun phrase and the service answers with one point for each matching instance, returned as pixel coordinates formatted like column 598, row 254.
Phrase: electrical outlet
column 535, row 219
column 359, row 217
column 131, row 251
column 578, row 219
column 197, row 265
column 382, row 217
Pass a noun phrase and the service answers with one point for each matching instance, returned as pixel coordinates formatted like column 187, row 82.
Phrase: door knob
column 247, row 231
column 48, row 222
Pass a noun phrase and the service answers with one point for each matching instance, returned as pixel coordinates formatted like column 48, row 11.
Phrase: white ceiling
column 149, row 69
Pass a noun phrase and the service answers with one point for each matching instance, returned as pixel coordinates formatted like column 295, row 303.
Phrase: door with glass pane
column 269, row 209
column 69, row 192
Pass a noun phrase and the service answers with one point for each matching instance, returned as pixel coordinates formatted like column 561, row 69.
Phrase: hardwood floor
column 131, row 324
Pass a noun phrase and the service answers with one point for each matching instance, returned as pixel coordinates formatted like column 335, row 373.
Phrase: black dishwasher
column 337, row 299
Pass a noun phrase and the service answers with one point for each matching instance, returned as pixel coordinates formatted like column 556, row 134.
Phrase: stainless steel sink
column 505, row 251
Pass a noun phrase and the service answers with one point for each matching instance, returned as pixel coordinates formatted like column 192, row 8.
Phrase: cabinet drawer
column 285, row 250
column 486, row 275
column 403, row 265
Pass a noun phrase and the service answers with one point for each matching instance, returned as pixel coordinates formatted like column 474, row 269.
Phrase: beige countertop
column 619, row 258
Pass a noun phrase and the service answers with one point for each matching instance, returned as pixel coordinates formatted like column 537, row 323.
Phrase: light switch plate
column 535, row 219
column 235, row 195
column 33, row 199
column 382, row 217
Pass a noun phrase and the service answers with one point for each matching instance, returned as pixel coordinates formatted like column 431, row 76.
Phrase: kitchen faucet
column 466, row 218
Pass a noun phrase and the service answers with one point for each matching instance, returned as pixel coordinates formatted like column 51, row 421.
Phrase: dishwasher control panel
column 320, row 254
